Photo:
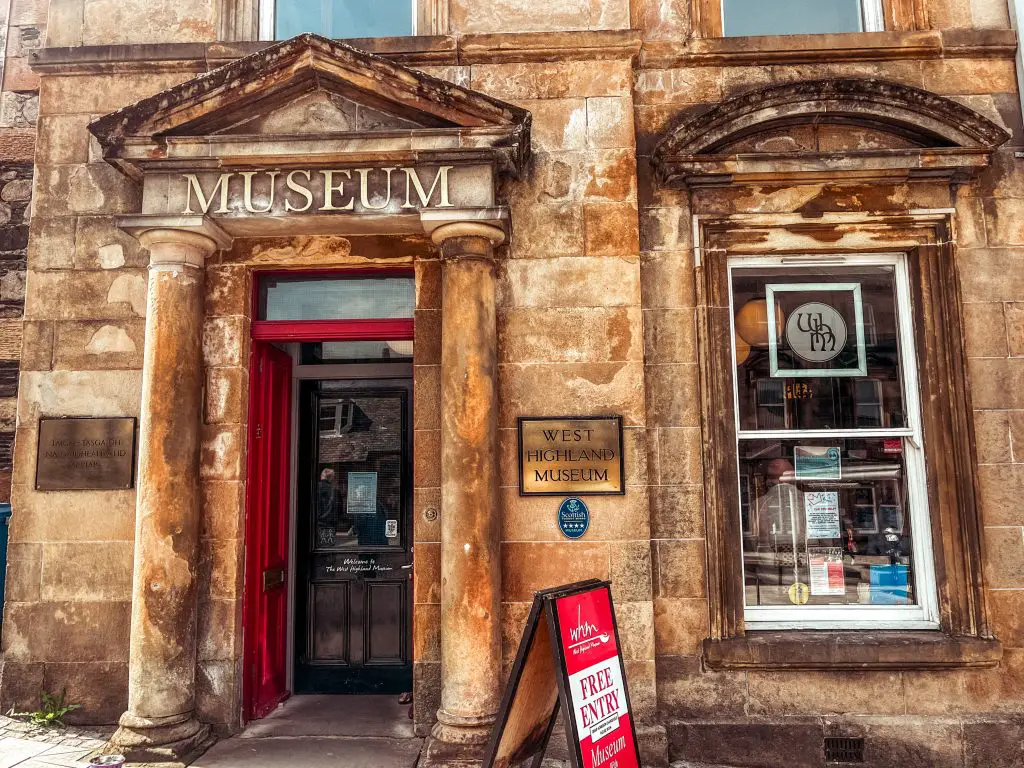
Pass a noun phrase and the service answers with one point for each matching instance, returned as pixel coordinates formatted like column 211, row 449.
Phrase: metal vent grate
column 839, row 749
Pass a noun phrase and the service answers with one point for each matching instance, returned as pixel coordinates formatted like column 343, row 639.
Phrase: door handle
column 273, row 578
column 407, row 567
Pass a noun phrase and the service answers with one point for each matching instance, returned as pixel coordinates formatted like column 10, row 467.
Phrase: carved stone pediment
column 824, row 130
column 320, row 100
column 313, row 136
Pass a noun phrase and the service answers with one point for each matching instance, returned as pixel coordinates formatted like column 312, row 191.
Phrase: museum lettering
column 334, row 190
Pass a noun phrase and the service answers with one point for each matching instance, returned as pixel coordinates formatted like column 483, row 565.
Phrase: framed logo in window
column 822, row 330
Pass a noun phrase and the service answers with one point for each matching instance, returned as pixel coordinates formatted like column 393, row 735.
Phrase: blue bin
column 5, row 523
column 890, row 585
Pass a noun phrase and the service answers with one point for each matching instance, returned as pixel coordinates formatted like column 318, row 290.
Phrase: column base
column 457, row 743
column 164, row 742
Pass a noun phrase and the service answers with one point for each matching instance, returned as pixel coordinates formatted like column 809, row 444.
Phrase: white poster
column 362, row 493
column 827, row 574
column 821, row 510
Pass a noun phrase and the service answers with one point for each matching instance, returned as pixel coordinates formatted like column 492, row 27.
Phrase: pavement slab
column 312, row 752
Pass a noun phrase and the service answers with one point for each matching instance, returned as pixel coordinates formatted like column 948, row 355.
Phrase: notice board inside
column 570, row 658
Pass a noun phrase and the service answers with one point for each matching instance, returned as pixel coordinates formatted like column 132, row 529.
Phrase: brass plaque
column 571, row 456
column 85, row 454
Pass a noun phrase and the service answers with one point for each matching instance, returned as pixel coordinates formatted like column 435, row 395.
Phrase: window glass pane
column 305, row 298
column 343, row 18
column 829, row 516
column 359, row 469
column 830, row 359
column 335, row 352
column 790, row 17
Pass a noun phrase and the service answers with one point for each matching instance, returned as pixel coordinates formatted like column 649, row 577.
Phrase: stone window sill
column 817, row 650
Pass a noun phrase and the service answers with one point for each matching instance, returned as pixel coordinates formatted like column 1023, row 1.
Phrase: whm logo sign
column 815, row 330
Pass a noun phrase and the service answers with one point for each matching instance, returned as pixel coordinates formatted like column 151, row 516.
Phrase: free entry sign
column 569, row 658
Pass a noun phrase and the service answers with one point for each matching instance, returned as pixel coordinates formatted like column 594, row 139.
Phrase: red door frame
column 284, row 331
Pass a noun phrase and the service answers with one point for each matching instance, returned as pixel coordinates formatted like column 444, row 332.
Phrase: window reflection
column 791, row 17
column 343, row 18
column 306, row 298
column 842, row 531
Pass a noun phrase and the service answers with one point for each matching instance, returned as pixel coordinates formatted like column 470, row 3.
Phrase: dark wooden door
column 266, row 542
column 353, row 616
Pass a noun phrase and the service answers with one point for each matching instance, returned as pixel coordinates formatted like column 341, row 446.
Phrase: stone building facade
column 620, row 174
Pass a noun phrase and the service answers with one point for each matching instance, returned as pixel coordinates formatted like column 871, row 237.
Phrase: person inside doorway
column 328, row 516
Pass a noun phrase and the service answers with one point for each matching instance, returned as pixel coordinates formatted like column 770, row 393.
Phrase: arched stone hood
column 828, row 130
column 314, row 136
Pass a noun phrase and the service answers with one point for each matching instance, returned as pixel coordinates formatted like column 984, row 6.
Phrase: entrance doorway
column 328, row 597
column 353, row 608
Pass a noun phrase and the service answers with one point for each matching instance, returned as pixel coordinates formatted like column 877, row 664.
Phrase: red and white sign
column 596, row 692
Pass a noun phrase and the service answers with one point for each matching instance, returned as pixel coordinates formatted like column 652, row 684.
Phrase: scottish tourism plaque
column 85, row 454
column 571, row 456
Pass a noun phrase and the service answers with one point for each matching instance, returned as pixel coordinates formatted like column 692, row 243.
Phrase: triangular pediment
column 311, row 87
column 319, row 111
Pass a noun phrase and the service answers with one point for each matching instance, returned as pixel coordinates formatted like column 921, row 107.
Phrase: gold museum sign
column 373, row 190
column 571, row 456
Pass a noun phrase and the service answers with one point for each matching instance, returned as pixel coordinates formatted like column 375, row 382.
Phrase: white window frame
column 872, row 16
column 268, row 15
column 925, row 614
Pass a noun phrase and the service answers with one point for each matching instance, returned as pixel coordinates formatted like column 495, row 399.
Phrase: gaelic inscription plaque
column 85, row 454
column 570, row 456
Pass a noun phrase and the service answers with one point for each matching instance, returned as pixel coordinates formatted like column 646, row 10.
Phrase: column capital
column 444, row 224
column 200, row 235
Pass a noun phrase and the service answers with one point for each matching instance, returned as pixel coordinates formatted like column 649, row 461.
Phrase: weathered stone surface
column 985, row 328
column 114, row 22
column 679, row 569
column 92, row 345
column 1002, row 487
column 529, row 567
column 78, row 393
column 106, row 295
column 613, row 518
column 992, row 433
column 1004, row 556
column 569, row 336
column 570, row 282
column 88, row 631
column 560, row 388
column 99, row 94
column 680, row 626
column 92, row 571
column 225, row 395
column 997, row 383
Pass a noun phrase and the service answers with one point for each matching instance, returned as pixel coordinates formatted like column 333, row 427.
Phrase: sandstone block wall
column 597, row 312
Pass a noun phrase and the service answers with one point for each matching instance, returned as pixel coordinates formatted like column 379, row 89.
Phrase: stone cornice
column 411, row 51
column 828, row 49
column 449, row 50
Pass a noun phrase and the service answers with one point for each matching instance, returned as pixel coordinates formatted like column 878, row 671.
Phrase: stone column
column 160, row 724
column 470, row 518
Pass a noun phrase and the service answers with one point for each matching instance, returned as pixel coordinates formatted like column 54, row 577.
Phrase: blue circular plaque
column 573, row 518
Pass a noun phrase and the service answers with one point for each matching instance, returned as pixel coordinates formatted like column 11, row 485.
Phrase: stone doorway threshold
column 322, row 731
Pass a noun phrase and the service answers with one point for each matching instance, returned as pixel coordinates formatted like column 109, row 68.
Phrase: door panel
column 355, row 544
column 266, row 545
column 330, row 609
column 385, row 609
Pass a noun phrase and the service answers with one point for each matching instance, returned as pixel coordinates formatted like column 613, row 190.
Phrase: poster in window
column 362, row 493
column 821, row 511
column 827, row 574
column 812, row 462
column 823, row 335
